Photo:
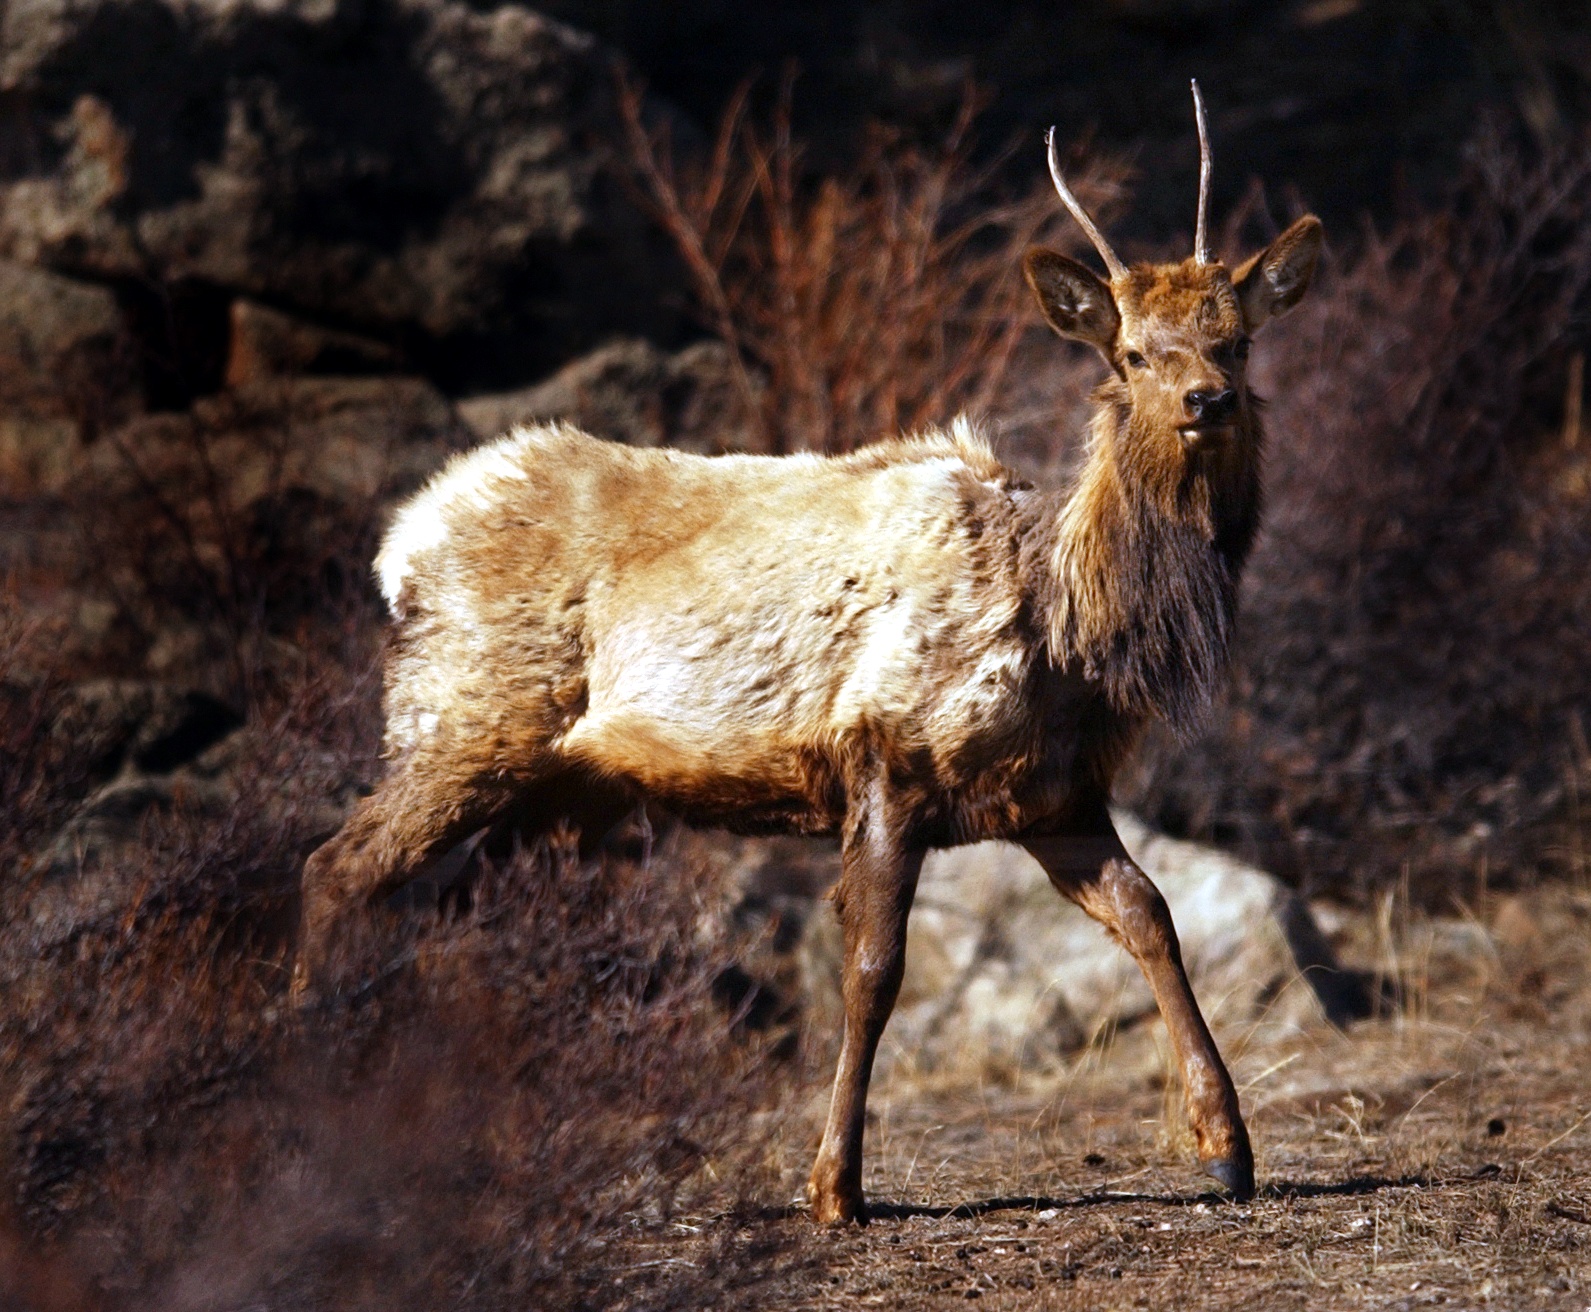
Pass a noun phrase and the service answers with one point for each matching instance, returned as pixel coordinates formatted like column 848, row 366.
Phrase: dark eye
column 1135, row 360
column 1230, row 353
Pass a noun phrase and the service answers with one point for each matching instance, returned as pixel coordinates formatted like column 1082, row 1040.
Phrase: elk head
column 1176, row 335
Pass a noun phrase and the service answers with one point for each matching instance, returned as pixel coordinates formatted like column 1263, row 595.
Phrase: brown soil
column 1439, row 1156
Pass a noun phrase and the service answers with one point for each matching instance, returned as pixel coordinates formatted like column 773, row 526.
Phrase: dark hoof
column 831, row 1210
column 1237, row 1178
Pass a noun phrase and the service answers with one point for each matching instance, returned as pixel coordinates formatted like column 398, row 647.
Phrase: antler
column 1116, row 267
column 1201, row 243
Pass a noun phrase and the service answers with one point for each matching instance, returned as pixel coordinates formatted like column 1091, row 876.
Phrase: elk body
column 909, row 647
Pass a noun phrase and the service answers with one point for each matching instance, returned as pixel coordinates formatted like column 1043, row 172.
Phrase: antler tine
column 1201, row 242
column 1116, row 267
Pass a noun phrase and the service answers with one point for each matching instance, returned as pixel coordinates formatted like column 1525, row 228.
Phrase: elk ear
column 1275, row 280
column 1077, row 303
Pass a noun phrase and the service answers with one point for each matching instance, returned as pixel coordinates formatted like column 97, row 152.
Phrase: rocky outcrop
column 267, row 343
column 425, row 169
column 350, row 441
column 68, row 368
column 631, row 391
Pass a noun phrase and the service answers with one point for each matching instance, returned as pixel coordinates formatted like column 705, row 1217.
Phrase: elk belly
column 700, row 717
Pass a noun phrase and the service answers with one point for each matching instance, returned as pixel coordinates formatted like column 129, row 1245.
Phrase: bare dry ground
column 1437, row 1156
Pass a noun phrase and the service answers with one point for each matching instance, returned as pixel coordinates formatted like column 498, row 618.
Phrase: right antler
column 1201, row 240
column 1118, row 270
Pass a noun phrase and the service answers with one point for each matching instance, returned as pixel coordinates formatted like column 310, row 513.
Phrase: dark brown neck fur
column 1144, row 558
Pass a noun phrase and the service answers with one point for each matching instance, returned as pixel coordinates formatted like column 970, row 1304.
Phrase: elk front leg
column 1095, row 872
column 878, row 878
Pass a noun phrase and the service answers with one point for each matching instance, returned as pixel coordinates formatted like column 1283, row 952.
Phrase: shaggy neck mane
column 1146, row 560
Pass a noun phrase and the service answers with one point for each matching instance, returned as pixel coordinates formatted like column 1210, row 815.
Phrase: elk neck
column 1139, row 562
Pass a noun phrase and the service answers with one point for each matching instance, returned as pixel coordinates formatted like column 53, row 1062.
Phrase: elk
column 909, row 647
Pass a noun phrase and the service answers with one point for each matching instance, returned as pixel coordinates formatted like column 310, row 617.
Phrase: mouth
column 1193, row 434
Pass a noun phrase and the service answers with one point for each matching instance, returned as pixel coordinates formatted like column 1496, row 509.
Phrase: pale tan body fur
column 593, row 607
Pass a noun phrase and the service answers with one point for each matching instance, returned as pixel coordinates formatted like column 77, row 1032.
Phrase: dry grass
column 1436, row 1157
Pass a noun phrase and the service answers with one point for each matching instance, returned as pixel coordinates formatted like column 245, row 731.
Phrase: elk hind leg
column 425, row 807
column 1095, row 871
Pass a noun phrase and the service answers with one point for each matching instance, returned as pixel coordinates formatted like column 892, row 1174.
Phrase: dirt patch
column 1438, row 1156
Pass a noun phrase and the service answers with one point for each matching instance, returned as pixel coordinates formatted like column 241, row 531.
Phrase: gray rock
column 632, row 392
column 67, row 368
column 349, row 441
column 422, row 166
column 1002, row 973
column 45, row 319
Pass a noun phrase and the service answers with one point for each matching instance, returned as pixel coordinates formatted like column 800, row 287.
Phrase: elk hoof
column 834, row 1204
column 1237, row 1178
column 836, row 1211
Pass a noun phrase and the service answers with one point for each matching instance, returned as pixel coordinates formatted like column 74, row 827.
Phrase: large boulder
column 1003, row 975
column 421, row 168
column 350, row 441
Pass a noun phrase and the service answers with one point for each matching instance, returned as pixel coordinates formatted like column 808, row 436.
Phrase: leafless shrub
column 1415, row 661
column 468, row 1130
column 248, row 523
column 862, row 305
column 36, row 784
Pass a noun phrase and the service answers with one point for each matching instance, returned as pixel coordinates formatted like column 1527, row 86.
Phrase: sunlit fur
column 727, row 635
column 737, row 636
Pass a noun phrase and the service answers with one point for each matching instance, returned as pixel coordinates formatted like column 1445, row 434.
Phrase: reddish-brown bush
column 861, row 305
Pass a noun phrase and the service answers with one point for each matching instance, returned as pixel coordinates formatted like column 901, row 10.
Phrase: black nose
column 1211, row 407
